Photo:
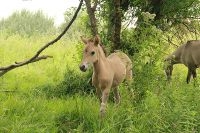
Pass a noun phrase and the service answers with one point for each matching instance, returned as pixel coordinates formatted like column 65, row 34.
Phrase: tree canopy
column 166, row 15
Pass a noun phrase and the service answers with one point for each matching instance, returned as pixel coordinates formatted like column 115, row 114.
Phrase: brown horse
column 187, row 54
column 108, row 72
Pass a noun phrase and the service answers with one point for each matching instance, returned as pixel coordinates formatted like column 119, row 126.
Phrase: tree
column 114, row 20
column 117, row 24
column 91, row 13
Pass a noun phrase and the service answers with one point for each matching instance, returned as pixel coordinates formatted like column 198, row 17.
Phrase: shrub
column 72, row 83
column 26, row 23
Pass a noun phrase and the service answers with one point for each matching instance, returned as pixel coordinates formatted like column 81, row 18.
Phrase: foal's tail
column 129, row 73
column 128, row 63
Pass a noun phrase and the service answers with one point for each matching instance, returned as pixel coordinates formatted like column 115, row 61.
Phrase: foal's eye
column 92, row 53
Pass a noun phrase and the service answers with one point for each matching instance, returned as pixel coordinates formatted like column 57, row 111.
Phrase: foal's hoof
column 102, row 113
column 102, row 110
column 117, row 102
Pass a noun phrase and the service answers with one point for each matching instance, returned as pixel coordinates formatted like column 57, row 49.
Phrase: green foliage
column 73, row 82
column 79, row 26
column 171, row 9
column 182, row 9
column 26, row 23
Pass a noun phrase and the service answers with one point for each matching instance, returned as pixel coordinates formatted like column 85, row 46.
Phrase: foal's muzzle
column 83, row 68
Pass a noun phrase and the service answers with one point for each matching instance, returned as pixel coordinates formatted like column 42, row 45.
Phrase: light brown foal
column 108, row 72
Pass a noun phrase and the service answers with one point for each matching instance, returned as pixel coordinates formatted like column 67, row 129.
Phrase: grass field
column 49, row 95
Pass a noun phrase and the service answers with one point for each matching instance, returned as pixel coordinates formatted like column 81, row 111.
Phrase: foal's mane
column 101, row 45
column 103, row 48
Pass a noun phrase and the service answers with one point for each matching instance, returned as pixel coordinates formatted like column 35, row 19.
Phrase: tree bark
column 91, row 12
column 110, row 23
column 117, row 25
column 156, row 8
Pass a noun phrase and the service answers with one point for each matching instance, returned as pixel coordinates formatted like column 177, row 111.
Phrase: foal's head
column 90, row 53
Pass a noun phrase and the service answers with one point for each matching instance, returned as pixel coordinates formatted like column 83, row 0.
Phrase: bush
column 26, row 23
column 72, row 83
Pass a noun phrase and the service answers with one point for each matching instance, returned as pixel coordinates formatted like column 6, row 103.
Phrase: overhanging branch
column 36, row 57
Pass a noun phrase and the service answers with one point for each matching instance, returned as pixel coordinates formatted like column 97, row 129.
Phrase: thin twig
column 9, row 91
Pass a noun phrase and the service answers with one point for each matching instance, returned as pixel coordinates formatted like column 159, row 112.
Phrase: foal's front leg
column 98, row 93
column 105, row 95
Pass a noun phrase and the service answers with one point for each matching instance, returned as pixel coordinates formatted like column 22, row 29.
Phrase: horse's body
column 187, row 54
column 108, row 72
column 111, row 68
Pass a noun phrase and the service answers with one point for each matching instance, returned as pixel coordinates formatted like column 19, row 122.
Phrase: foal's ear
column 84, row 39
column 96, row 40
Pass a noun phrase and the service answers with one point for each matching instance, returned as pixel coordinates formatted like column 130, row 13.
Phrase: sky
column 52, row 8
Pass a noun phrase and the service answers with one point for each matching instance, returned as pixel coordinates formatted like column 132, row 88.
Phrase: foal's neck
column 101, row 60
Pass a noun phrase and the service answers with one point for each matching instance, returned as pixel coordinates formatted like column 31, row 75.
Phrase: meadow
column 54, row 96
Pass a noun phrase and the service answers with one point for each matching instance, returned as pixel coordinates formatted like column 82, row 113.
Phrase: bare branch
column 36, row 57
column 9, row 91
column 4, row 70
column 35, row 60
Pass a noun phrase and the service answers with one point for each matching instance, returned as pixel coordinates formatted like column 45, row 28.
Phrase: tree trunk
column 91, row 12
column 156, row 8
column 117, row 25
column 110, row 23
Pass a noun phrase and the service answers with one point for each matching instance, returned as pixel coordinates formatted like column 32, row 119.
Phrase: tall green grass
column 50, row 71
column 54, row 96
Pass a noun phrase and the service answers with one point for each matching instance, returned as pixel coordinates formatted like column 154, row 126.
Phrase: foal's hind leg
column 116, row 95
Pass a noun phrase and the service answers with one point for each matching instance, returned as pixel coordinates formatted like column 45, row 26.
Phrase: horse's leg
column 98, row 92
column 105, row 95
column 189, row 75
column 116, row 95
column 194, row 74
